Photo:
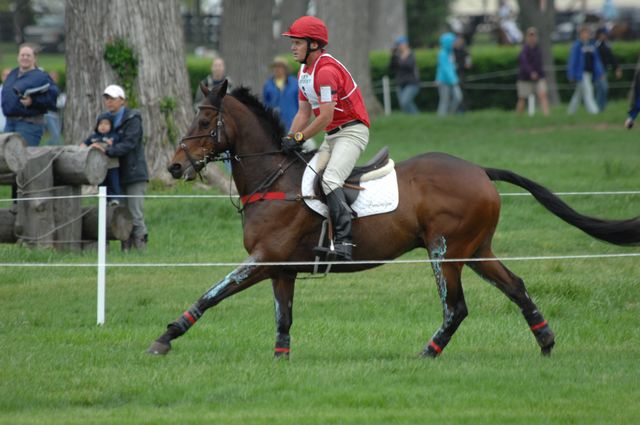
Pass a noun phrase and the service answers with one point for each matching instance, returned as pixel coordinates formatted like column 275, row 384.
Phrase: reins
column 226, row 156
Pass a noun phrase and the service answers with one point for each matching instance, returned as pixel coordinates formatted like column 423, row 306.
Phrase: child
column 105, row 135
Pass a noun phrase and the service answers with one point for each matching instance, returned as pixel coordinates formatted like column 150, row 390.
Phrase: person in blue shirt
column 106, row 135
column 634, row 107
column 27, row 94
column 449, row 92
column 583, row 69
column 280, row 92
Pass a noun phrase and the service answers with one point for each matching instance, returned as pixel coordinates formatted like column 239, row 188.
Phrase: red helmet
column 309, row 27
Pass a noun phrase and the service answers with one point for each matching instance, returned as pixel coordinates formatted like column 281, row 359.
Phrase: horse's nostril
column 175, row 170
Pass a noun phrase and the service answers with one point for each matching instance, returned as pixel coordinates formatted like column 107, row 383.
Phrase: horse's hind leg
column 283, row 288
column 454, row 308
column 513, row 287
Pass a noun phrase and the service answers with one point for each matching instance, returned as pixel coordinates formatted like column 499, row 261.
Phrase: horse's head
column 207, row 137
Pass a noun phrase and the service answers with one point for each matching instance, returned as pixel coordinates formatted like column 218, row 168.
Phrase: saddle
column 380, row 165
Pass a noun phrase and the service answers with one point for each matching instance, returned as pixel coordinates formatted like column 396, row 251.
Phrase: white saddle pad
column 379, row 195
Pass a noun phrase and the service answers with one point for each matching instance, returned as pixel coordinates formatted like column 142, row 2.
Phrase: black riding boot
column 340, row 214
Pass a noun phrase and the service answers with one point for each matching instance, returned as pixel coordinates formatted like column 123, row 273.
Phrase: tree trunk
column 34, row 223
column 533, row 14
column 77, row 165
column 7, row 225
column 13, row 152
column 67, row 216
column 348, row 25
column 154, row 30
column 246, row 41
column 288, row 11
column 388, row 21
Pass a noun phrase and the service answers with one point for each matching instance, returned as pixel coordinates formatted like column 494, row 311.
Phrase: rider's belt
column 345, row 125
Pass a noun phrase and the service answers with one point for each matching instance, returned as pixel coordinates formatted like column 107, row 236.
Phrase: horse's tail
column 619, row 232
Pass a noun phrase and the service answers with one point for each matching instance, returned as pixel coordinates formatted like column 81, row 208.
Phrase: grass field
column 355, row 337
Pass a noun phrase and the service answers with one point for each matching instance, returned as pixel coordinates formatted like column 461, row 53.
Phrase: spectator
column 27, row 94
column 405, row 70
column 531, row 73
column 609, row 61
column 133, row 165
column 634, row 107
column 105, row 135
column 3, row 119
column 449, row 92
column 463, row 63
column 217, row 76
column 584, row 67
column 52, row 118
column 508, row 25
column 280, row 92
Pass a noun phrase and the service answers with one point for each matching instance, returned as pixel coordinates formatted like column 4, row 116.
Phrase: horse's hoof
column 428, row 354
column 159, row 348
column 546, row 351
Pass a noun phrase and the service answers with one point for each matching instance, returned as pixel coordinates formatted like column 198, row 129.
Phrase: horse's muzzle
column 176, row 170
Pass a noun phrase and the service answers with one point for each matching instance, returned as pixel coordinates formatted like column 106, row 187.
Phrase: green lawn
column 355, row 337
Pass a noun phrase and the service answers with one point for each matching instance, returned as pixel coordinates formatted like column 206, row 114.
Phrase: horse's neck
column 256, row 166
column 268, row 173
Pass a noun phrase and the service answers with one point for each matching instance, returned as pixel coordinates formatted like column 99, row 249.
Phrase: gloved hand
column 289, row 145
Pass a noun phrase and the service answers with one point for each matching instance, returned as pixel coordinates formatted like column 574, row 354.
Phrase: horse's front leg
column 283, row 288
column 244, row 276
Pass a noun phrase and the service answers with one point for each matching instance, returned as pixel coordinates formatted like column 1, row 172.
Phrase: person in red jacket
column 328, row 91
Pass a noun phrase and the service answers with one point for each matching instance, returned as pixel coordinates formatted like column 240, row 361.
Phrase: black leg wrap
column 283, row 344
column 436, row 345
column 541, row 330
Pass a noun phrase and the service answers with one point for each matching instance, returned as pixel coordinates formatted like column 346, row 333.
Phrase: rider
column 327, row 89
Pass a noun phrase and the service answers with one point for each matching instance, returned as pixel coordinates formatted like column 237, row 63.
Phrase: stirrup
column 340, row 251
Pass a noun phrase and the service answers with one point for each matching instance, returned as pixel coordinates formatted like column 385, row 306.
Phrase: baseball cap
column 114, row 91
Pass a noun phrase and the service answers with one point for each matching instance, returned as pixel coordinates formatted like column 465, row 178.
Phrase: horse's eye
column 204, row 123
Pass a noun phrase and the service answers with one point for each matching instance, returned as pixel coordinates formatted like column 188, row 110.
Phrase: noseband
column 214, row 135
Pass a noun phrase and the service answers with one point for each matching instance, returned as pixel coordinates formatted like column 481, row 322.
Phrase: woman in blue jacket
column 583, row 69
column 449, row 92
column 27, row 94
column 280, row 92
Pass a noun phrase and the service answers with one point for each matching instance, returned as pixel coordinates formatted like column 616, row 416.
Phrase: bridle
column 209, row 156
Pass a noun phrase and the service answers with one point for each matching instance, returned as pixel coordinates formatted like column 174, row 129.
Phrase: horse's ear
column 222, row 89
column 204, row 90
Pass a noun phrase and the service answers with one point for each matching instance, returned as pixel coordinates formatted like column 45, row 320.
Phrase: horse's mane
column 267, row 116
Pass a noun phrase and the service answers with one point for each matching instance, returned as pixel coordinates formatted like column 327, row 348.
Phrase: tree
column 425, row 20
column 287, row 12
column 348, row 25
column 246, row 41
column 388, row 21
column 148, row 31
column 541, row 15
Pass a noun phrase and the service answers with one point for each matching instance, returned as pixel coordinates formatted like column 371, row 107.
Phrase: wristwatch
column 298, row 137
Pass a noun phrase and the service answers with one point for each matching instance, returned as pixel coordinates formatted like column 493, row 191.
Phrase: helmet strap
column 309, row 49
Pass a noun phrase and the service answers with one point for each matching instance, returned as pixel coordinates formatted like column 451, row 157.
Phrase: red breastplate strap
column 265, row 196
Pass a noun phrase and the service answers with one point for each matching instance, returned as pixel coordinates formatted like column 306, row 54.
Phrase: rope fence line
column 506, row 194
column 325, row 263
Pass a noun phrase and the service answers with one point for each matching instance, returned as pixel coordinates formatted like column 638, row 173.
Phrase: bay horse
column 448, row 206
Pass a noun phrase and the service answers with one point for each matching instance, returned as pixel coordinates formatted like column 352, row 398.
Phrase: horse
column 448, row 206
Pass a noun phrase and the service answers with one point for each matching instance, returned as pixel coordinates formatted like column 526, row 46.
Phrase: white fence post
column 386, row 95
column 102, row 252
column 531, row 103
